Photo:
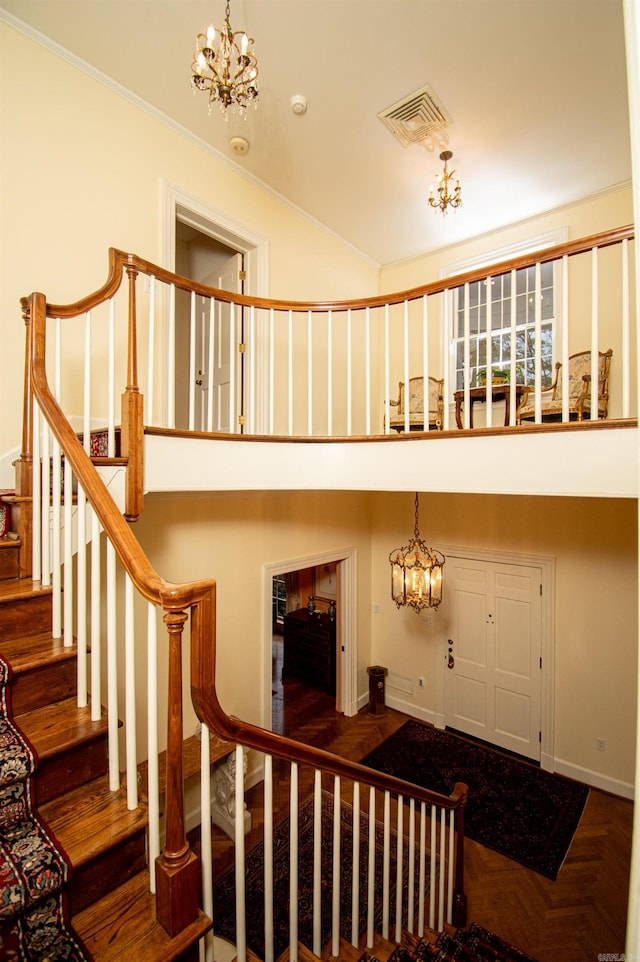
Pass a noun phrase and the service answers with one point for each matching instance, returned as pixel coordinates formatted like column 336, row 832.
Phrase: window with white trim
column 493, row 327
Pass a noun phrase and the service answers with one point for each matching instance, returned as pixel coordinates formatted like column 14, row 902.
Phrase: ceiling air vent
column 416, row 118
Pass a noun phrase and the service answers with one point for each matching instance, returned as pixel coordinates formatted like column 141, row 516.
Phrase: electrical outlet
column 427, row 620
column 601, row 744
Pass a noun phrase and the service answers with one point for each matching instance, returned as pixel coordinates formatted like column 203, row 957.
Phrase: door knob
column 451, row 661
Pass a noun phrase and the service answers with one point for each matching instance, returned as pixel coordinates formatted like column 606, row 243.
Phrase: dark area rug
column 33, row 870
column 475, row 944
column 514, row 807
column 224, row 887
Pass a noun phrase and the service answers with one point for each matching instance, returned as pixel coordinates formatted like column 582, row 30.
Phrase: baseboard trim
column 614, row 786
column 422, row 714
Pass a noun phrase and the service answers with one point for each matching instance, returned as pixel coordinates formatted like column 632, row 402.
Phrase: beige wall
column 594, row 543
column 82, row 170
column 231, row 537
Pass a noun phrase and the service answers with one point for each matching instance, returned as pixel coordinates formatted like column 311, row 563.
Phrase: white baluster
column 512, row 333
column 309, row 373
column 290, row 373
column 489, row 358
column 153, row 790
column 192, row 363
column 422, row 872
column 317, row 863
column 241, row 907
column 537, row 314
column 626, row 353
column 268, row 859
column 233, row 347
column 293, row 864
column 349, row 375
column 37, row 494
column 595, row 337
column 467, row 358
column 387, row 405
column 111, row 381
column 405, row 342
column 210, row 363
column 355, row 867
column 399, row 865
column 432, row 871
column 385, row 866
column 130, row 696
column 441, row 856
column 367, row 371
column 412, row 855
column 335, row 906
column 371, row 871
column 425, row 357
column 96, row 633
column 271, row 371
column 112, row 666
column 564, row 358
column 451, row 864
column 149, row 400
column 68, row 556
column 171, row 360
column 329, row 374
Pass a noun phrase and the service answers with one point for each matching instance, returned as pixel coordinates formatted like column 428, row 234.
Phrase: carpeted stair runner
column 33, row 871
column 474, row 944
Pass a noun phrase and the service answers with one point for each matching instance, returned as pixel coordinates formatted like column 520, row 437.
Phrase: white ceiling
column 536, row 90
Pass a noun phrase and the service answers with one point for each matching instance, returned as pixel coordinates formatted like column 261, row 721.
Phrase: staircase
column 111, row 907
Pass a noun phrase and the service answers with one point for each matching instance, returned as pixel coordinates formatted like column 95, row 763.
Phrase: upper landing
column 578, row 460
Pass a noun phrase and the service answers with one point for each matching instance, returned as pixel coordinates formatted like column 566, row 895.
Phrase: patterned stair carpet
column 474, row 944
column 33, row 871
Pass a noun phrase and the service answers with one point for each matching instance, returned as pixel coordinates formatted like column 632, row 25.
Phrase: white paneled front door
column 492, row 680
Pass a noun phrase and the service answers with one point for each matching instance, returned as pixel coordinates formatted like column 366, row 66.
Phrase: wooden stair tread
column 36, row 650
column 218, row 749
column 91, row 819
column 59, row 727
column 122, row 927
column 19, row 589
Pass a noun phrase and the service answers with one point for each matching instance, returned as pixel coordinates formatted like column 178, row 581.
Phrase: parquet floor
column 574, row 919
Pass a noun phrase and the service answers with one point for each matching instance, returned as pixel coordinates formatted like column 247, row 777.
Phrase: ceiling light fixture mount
column 445, row 194
column 416, row 573
column 224, row 65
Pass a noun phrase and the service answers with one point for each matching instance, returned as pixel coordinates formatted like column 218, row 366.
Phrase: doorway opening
column 211, row 391
column 310, row 639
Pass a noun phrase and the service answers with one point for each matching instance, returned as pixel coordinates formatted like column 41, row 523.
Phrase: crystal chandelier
column 445, row 195
column 416, row 573
column 225, row 65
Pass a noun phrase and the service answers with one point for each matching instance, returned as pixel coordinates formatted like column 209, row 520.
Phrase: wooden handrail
column 120, row 259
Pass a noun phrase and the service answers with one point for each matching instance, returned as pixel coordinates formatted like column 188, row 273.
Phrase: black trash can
column 376, row 689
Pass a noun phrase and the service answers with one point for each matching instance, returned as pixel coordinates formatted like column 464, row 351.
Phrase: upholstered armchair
column 417, row 419
column 579, row 390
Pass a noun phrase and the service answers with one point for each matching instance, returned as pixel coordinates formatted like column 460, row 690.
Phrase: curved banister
column 119, row 259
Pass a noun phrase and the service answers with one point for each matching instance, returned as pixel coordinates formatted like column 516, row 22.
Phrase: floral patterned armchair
column 417, row 420
column 579, row 390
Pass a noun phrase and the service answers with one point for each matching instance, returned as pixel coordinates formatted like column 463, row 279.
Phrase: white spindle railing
column 424, row 872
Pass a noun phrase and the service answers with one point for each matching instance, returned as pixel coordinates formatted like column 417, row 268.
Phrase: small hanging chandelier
column 225, row 65
column 445, row 195
column 416, row 573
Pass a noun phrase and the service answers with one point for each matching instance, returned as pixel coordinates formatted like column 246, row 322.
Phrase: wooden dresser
column 310, row 649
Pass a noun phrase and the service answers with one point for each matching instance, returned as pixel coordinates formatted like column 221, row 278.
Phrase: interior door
column 492, row 682
column 225, row 377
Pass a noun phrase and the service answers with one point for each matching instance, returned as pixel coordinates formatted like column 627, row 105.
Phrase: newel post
column 459, row 909
column 132, row 413
column 24, row 464
column 177, row 868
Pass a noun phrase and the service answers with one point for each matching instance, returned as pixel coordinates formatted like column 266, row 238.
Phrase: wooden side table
column 499, row 392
